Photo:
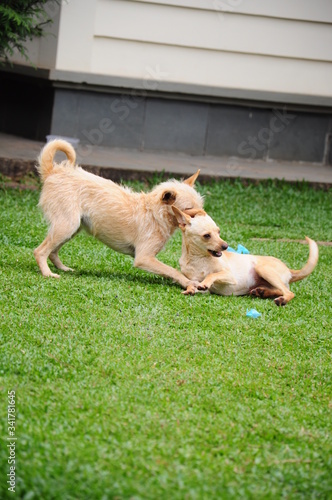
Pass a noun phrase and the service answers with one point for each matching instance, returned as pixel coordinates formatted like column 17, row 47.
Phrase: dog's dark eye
column 207, row 236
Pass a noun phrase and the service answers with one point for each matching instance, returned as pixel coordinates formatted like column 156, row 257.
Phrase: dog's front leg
column 153, row 265
column 224, row 277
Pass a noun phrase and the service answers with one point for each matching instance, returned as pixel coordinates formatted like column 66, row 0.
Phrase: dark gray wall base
column 196, row 128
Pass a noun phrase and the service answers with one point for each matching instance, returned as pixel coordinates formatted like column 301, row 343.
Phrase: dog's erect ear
column 168, row 197
column 183, row 219
column 191, row 180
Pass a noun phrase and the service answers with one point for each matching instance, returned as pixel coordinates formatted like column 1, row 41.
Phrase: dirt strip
column 130, row 166
column 287, row 240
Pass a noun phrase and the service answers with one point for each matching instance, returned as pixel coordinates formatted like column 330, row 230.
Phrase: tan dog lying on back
column 137, row 224
column 228, row 273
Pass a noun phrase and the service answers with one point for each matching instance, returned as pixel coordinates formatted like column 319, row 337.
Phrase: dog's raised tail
column 310, row 265
column 45, row 161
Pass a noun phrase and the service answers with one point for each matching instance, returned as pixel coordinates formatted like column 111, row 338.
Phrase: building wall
column 243, row 78
column 276, row 50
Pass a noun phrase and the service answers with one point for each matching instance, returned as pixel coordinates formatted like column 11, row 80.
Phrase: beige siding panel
column 307, row 10
column 204, row 29
column 76, row 33
column 196, row 67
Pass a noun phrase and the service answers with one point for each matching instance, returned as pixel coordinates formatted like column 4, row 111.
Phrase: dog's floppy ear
column 194, row 211
column 168, row 197
column 183, row 219
column 191, row 180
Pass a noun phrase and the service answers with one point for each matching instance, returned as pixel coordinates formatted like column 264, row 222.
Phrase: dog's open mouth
column 214, row 253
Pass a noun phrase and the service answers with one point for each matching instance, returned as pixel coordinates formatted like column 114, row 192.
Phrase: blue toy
column 240, row 249
column 252, row 313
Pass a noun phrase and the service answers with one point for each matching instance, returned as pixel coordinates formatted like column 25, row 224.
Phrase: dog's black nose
column 224, row 246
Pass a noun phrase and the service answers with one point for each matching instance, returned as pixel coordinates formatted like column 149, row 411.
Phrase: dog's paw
column 51, row 275
column 202, row 287
column 280, row 301
column 66, row 269
column 190, row 290
column 258, row 292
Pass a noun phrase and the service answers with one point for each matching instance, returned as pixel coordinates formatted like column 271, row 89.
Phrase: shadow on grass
column 143, row 279
column 123, row 276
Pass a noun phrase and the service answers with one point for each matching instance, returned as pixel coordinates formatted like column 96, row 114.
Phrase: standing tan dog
column 136, row 224
column 228, row 273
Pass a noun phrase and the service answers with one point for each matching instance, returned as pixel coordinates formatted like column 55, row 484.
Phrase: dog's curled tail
column 310, row 265
column 45, row 161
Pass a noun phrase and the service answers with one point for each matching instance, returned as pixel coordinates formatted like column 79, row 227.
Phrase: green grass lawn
column 127, row 389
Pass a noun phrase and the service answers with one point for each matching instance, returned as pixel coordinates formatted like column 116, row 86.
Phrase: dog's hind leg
column 56, row 237
column 269, row 274
column 265, row 292
column 41, row 254
column 55, row 259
